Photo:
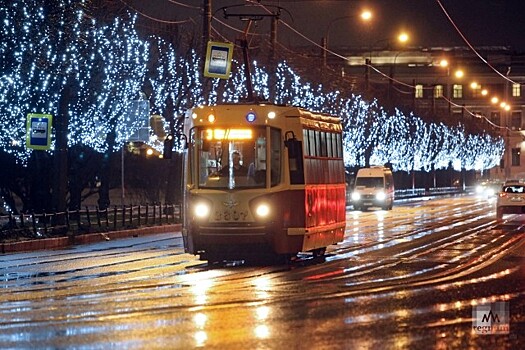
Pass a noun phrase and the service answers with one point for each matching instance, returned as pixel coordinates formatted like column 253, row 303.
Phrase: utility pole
column 206, row 25
column 206, row 29
column 367, row 74
column 324, row 44
column 272, row 60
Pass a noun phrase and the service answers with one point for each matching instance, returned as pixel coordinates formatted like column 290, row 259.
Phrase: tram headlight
column 201, row 210
column 356, row 196
column 262, row 210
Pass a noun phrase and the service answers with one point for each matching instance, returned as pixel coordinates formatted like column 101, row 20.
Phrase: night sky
column 483, row 22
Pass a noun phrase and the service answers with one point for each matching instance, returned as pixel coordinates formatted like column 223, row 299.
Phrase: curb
column 62, row 242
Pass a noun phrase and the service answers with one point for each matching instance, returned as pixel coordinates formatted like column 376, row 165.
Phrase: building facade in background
column 488, row 94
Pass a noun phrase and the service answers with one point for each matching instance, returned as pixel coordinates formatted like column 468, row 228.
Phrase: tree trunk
column 60, row 176
column 105, row 173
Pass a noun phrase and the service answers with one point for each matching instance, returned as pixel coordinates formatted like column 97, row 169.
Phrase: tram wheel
column 319, row 252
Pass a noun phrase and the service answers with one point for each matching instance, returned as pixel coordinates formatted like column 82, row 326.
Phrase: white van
column 373, row 187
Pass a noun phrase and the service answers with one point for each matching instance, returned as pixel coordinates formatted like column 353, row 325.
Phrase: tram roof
column 239, row 113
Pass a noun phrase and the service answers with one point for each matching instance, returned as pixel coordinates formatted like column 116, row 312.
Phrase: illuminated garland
column 107, row 67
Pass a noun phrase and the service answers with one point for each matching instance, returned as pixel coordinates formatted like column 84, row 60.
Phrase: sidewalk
column 62, row 242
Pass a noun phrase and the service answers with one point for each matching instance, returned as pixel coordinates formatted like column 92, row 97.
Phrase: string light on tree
column 109, row 69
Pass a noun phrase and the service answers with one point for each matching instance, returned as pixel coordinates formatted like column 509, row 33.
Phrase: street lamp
column 365, row 16
column 459, row 73
column 402, row 38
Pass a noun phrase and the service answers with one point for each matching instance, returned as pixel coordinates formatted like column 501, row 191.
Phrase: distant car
column 488, row 189
column 373, row 187
column 511, row 199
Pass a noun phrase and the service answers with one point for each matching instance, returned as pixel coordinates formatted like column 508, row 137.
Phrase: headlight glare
column 262, row 210
column 381, row 196
column 201, row 210
column 356, row 196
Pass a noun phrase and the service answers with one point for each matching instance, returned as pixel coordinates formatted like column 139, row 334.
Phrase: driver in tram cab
column 238, row 168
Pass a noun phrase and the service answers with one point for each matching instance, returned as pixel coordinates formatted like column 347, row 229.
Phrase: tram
column 262, row 180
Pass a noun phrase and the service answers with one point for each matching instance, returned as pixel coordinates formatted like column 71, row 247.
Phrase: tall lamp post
column 365, row 16
column 402, row 38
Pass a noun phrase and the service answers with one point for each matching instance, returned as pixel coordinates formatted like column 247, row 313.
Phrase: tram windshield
column 236, row 157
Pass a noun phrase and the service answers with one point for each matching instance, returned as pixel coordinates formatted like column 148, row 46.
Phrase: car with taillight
column 511, row 199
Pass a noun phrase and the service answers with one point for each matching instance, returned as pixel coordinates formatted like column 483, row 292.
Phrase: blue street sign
column 218, row 60
column 39, row 131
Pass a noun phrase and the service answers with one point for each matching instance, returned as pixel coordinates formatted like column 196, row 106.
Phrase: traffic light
column 168, row 146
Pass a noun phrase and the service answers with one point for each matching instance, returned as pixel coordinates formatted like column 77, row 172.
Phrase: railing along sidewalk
column 87, row 220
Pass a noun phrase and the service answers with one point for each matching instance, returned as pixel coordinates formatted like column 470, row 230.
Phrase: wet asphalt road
column 409, row 278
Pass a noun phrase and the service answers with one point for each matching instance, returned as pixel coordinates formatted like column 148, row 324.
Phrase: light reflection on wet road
column 406, row 278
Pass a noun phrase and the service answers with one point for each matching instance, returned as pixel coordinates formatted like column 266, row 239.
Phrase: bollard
column 98, row 217
column 33, row 219
column 44, row 218
column 131, row 215
column 88, row 217
column 115, row 217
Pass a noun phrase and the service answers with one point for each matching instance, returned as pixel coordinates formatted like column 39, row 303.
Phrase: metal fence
column 422, row 192
column 88, row 220
column 93, row 219
column 418, row 192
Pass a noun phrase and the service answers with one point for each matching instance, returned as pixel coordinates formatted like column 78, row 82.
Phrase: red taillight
column 502, row 194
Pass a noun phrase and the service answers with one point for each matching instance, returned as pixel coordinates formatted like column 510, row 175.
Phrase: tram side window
column 337, row 146
column 311, row 143
column 306, row 141
column 311, row 138
column 323, row 143
column 330, row 144
column 318, row 143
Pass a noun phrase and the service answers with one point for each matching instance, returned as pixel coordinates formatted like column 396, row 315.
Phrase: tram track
column 166, row 280
column 405, row 276
column 416, row 271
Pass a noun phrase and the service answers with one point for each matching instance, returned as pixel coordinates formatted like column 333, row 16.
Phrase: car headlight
column 381, row 196
column 356, row 196
column 262, row 210
column 201, row 210
column 479, row 189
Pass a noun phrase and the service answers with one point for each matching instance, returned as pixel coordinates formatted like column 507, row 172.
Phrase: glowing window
column 438, row 91
column 516, row 90
column 457, row 91
column 419, row 91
